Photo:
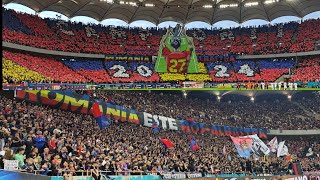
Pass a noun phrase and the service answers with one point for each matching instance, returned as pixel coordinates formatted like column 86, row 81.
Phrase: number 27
column 174, row 63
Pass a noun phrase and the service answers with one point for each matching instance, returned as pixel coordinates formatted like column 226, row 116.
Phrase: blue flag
column 155, row 127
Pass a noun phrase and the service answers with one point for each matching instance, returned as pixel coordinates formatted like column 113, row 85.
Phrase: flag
column 308, row 152
column 224, row 150
column 273, row 144
column 243, row 146
column 282, row 149
column 167, row 143
column 155, row 127
column 259, row 148
column 193, row 145
column 102, row 120
column 297, row 168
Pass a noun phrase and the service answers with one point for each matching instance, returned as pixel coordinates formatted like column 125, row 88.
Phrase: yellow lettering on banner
column 123, row 116
column 109, row 58
column 130, row 58
column 76, row 103
column 133, row 118
column 47, row 93
column 146, row 59
column 115, row 113
column 137, row 58
column 122, row 58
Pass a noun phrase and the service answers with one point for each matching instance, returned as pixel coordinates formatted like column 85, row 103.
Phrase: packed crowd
column 49, row 69
column 240, row 113
column 57, row 142
column 54, row 34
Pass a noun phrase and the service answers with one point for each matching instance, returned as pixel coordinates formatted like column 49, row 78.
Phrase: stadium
column 90, row 101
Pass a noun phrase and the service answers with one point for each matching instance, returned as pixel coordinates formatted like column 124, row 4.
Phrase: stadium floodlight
column 271, row 1
column 128, row 3
column 108, row 1
column 222, row 6
column 207, row 6
column 251, row 4
column 149, row 5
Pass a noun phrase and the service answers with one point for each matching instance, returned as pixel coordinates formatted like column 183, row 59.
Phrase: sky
column 145, row 24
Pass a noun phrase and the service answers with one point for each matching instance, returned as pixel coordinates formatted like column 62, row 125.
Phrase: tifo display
column 138, row 55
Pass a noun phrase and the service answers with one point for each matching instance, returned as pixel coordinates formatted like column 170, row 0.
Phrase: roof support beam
column 213, row 13
column 75, row 12
column 164, row 6
column 295, row 10
column 110, row 7
column 265, row 10
column 135, row 12
column 189, row 7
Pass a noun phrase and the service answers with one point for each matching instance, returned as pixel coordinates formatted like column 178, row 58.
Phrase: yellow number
column 174, row 63
column 183, row 61
column 173, row 66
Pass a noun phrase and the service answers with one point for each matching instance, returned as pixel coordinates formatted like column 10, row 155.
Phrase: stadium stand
column 50, row 68
column 13, row 73
column 216, row 51
column 52, row 34
column 57, row 142
column 308, row 70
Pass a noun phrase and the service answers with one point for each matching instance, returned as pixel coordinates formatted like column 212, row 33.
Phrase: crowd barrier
column 17, row 175
column 56, row 86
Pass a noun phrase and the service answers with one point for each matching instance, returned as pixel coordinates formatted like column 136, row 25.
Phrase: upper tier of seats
column 59, row 35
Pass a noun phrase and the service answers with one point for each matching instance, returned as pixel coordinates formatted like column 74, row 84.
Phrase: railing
column 119, row 173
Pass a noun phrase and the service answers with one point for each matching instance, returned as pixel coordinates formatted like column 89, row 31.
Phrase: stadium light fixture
column 207, row 6
column 128, row 3
column 108, row 1
column 271, row 1
column 222, row 6
column 251, row 4
column 149, row 5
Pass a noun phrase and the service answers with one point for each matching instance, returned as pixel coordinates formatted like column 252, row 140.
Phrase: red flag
column 96, row 110
column 167, row 143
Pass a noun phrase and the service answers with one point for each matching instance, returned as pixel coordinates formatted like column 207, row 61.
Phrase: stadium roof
column 182, row 11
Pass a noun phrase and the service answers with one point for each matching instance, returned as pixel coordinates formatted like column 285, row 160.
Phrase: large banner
column 73, row 102
column 177, row 53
